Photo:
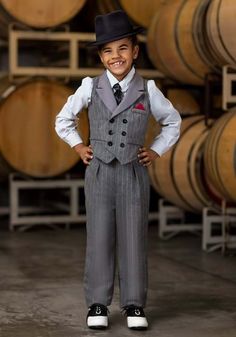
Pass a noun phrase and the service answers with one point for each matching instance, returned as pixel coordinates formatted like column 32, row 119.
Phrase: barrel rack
column 229, row 87
column 172, row 221
column 24, row 217
column 171, row 218
column 73, row 69
column 72, row 211
column 215, row 226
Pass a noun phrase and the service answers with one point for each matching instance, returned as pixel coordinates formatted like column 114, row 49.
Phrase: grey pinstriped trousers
column 117, row 203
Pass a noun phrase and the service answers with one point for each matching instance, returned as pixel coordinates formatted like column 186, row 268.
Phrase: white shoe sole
column 137, row 323
column 97, row 322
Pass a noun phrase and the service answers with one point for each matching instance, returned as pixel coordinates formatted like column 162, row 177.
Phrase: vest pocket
column 139, row 111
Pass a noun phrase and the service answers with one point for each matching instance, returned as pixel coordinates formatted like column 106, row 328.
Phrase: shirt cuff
column 74, row 139
column 159, row 148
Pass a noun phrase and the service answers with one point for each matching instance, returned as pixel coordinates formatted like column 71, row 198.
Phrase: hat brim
column 135, row 31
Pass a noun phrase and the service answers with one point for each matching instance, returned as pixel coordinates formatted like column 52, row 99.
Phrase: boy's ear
column 100, row 55
column 135, row 52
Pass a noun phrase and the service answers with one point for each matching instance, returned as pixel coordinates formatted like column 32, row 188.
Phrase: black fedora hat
column 113, row 26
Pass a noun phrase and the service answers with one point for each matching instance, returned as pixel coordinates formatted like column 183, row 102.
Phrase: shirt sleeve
column 168, row 118
column 67, row 118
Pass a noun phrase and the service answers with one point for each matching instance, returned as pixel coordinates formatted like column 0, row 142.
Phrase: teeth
column 117, row 63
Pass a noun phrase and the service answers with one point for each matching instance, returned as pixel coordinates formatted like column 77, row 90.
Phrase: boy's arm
column 168, row 117
column 65, row 124
column 170, row 121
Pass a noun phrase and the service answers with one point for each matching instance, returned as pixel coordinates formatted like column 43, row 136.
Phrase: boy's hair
column 132, row 38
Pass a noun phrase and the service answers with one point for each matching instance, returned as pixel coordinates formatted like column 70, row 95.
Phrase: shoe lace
column 97, row 307
column 131, row 308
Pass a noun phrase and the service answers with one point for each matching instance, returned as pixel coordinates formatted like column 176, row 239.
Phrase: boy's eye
column 123, row 48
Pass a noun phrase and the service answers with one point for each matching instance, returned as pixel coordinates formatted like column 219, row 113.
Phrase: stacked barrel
column 38, row 14
column 186, row 41
column 27, row 136
column 28, row 142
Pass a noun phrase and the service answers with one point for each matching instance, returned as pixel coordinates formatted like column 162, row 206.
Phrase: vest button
column 123, row 133
column 125, row 121
column 110, row 132
column 112, row 120
column 109, row 143
column 122, row 145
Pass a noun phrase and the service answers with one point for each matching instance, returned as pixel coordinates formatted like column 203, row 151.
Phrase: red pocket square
column 139, row 106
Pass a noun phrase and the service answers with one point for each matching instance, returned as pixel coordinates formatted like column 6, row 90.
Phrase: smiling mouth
column 117, row 64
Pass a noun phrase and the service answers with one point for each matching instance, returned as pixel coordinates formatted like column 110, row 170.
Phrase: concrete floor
column 191, row 293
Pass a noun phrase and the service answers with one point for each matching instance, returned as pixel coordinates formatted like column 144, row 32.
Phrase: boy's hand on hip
column 85, row 153
column 146, row 156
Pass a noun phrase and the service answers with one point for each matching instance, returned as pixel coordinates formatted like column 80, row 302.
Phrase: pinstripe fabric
column 117, row 196
column 105, row 117
column 117, row 199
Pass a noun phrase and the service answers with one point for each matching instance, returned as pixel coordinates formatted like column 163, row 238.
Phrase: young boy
column 116, row 179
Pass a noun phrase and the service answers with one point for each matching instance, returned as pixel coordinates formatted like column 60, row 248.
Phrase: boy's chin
column 119, row 74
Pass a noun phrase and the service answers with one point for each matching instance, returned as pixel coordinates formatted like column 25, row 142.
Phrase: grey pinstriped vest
column 118, row 131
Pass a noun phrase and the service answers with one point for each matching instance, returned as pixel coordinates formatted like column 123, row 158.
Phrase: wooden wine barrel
column 5, row 168
column 176, row 37
column 39, row 13
column 151, row 41
column 221, row 27
column 178, row 175
column 141, row 12
column 160, row 171
column 220, row 155
column 28, row 139
column 107, row 6
column 183, row 101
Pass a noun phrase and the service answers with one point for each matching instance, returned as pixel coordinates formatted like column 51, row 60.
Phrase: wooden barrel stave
column 186, row 161
column 183, row 101
column 186, row 41
column 142, row 12
column 162, row 172
column 39, row 14
column 165, row 53
column 201, row 40
column 180, row 57
column 5, row 168
column 220, row 30
column 27, row 136
column 152, row 44
column 210, row 148
column 220, row 156
column 210, row 32
column 106, row 6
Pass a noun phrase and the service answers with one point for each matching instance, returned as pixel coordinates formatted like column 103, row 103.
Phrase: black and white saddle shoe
column 136, row 318
column 97, row 316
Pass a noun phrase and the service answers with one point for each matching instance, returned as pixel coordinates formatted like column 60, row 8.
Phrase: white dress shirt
column 161, row 108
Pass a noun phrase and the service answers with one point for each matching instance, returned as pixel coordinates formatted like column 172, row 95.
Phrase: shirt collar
column 125, row 82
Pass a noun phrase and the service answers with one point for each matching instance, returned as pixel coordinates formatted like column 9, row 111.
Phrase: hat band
column 115, row 35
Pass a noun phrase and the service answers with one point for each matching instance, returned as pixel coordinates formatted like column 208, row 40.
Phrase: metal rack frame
column 220, row 221
column 30, row 216
column 172, row 221
column 72, row 70
column 229, row 77
column 24, row 217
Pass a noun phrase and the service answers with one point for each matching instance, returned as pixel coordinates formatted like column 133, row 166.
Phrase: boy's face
column 117, row 56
